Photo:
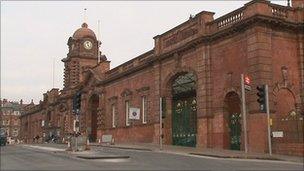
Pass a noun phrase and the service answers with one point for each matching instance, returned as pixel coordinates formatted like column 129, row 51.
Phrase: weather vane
column 85, row 15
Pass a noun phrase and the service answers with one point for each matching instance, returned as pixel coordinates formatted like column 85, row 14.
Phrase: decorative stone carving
column 285, row 83
column 181, row 35
column 126, row 93
column 113, row 99
column 229, row 78
column 142, row 89
column 63, row 107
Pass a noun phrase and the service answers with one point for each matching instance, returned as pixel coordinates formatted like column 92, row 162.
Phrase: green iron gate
column 235, row 131
column 184, row 110
column 184, row 122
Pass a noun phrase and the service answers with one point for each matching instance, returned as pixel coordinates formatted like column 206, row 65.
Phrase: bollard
column 69, row 147
column 87, row 146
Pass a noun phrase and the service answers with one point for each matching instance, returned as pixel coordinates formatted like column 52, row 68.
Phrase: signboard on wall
column 134, row 113
column 277, row 134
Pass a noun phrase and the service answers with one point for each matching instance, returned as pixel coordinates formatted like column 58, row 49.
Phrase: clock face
column 88, row 45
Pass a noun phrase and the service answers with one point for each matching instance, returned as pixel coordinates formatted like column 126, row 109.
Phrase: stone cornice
column 208, row 39
column 235, row 28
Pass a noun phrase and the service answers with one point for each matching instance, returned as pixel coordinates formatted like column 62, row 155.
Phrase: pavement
column 61, row 149
column 210, row 152
column 55, row 157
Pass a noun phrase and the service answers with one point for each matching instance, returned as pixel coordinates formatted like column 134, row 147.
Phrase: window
column 113, row 116
column 15, row 132
column 16, row 112
column 127, row 113
column 163, row 107
column 144, row 109
column 5, row 122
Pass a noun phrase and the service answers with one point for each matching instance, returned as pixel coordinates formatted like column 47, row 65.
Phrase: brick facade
column 10, row 121
column 260, row 39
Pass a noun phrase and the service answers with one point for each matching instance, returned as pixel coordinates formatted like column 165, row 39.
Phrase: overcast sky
column 33, row 34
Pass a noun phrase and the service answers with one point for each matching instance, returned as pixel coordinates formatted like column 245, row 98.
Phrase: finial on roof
column 84, row 25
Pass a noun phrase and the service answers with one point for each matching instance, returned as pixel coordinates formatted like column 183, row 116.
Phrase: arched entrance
column 288, row 120
column 92, row 128
column 233, row 121
column 184, row 124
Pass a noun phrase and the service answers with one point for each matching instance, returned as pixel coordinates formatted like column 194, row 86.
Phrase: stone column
column 260, row 70
column 157, row 95
column 204, row 98
column 301, row 68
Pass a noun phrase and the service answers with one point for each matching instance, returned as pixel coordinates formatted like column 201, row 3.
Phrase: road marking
column 44, row 148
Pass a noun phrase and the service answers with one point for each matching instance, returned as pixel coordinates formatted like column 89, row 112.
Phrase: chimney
column 21, row 102
column 297, row 3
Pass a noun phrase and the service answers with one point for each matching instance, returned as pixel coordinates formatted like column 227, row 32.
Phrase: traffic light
column 262, row 97
column 77, row 102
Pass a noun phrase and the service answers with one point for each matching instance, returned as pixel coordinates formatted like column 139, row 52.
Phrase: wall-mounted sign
column 134, row 113
column 277, row 134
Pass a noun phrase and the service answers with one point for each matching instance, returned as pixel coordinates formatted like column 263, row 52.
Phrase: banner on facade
column 134, row 113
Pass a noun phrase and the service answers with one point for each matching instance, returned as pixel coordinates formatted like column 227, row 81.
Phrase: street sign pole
column 160, row 124
column 268, row 120
column 244, row 112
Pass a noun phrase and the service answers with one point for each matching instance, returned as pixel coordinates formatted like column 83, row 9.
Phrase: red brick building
column 195, row 68
column 10, row 119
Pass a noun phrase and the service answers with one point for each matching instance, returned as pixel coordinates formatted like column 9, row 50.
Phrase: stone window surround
column 144, row 93
column 113, row 103
column 113, row 114
column 127, row 97
column 144, row 109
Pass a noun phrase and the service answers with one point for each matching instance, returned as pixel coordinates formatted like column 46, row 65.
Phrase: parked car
column 3, row 137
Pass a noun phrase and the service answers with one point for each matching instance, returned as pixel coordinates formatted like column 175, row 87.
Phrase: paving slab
column 219, row 153
column 123, row 147
column 102, row 156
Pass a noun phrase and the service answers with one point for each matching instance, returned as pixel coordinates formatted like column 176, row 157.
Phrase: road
column 20, row 157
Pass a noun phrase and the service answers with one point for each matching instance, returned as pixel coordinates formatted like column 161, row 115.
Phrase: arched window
column 184, row 84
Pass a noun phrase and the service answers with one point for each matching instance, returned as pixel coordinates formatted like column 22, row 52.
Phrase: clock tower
column 83, row 53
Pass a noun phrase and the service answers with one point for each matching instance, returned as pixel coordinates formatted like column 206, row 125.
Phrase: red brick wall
column 134, row 82
column 228, row 62
column 289, row 149
column 140, row 133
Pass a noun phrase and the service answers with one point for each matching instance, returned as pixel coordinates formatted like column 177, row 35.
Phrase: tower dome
column 84, row 31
